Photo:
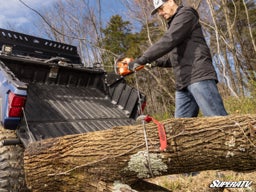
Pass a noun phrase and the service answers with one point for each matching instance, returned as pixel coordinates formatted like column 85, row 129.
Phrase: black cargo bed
column 63, row 96
column 54, row 111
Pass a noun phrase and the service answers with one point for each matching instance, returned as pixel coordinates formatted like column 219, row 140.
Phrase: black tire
column 11, row 164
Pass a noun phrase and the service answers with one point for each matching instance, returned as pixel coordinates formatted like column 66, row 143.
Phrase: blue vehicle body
column 9, row 83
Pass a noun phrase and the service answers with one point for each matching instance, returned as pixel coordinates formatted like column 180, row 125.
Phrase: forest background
column 229, row 27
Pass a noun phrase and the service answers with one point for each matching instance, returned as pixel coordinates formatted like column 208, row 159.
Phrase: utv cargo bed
column 54, row 110
column 62, row 96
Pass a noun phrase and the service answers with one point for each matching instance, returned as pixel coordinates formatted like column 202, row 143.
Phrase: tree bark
column 98, row 161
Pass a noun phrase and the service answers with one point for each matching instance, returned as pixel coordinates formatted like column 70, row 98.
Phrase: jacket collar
column 170, row 19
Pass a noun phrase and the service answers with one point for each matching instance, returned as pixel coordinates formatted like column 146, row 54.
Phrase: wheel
column 12, row 177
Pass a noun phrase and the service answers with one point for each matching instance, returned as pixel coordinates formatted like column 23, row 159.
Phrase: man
column 190, row 58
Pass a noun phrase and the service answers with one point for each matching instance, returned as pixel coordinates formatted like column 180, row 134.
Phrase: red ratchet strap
column 161, row 132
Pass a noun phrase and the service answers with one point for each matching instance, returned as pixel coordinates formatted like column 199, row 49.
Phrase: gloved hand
column 151, row 65
column 133, row 65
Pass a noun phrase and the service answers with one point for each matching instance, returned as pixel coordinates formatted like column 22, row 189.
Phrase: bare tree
column 230, row 37
column 77, row 23
column 232, row 57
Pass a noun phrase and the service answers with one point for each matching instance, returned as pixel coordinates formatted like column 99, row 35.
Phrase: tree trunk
column 97, row 161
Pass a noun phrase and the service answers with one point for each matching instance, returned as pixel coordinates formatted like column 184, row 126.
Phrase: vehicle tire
column 12, row 177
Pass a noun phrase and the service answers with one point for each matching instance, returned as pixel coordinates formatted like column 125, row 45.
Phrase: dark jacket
column 186, row 47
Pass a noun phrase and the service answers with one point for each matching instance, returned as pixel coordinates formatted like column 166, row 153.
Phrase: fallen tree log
column 97, row 161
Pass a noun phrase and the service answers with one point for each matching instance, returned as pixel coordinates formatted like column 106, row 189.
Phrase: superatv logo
column 229, row 184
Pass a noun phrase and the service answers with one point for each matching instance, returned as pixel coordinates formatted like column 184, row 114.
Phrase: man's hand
column 133, row 65
column 150, row 65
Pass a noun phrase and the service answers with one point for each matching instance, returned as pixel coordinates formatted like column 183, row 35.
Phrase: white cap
column 157, row 4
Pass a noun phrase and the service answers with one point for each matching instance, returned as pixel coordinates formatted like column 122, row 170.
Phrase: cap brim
column 154, row 11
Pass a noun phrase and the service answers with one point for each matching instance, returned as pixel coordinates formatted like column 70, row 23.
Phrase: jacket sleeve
column 179, row 30
column 163, row 62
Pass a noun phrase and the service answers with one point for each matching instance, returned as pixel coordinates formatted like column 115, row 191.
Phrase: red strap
column 161, row 132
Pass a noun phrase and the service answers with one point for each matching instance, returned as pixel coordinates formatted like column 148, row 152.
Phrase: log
column 100, row 161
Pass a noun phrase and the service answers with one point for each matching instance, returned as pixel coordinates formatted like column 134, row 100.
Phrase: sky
column 14, row 15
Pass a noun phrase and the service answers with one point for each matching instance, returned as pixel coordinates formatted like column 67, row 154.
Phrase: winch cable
column 31, row 136
column 143, row 125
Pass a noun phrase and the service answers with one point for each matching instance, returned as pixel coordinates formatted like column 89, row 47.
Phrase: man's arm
column 180, row 29
column 163, row 62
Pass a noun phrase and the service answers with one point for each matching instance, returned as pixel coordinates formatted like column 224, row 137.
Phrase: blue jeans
column 203, row 95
